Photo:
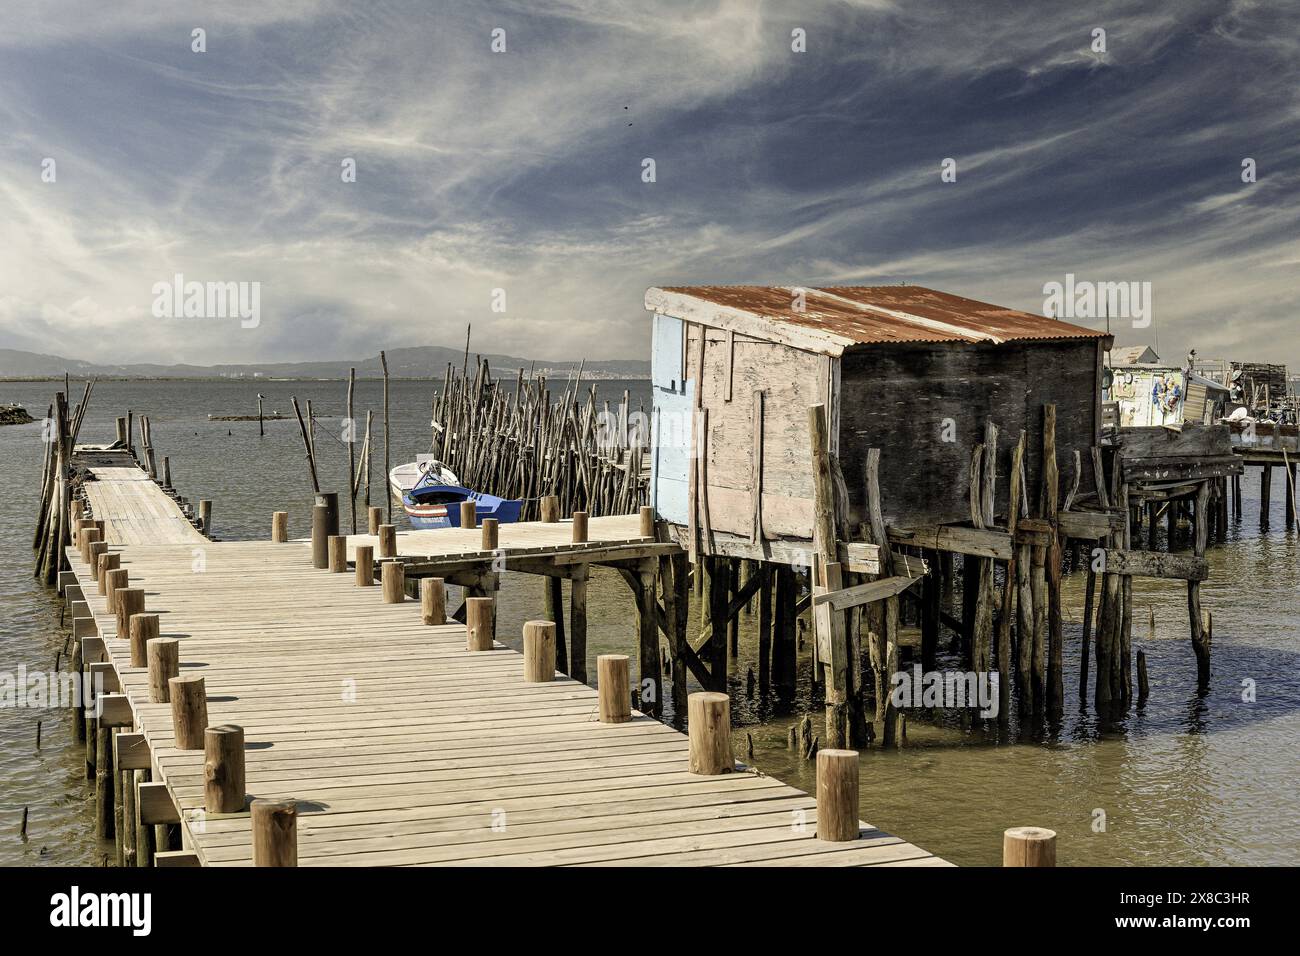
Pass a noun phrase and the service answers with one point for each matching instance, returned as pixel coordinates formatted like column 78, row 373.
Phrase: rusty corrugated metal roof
column 847, row 315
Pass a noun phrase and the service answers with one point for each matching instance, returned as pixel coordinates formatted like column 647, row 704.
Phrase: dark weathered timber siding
column 896, row 398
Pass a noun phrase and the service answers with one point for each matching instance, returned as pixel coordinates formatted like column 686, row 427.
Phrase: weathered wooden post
column 1029, row 846
column 129, row 601
column 280, row 526
column 468, row 514
column 433, row 601
column 612, row 685
column 189, row 702
column 579, row 527
column 338, row 553
column 164, row 660
column 647, row 521
column 490, row 537
column 478, row 623
column 87, row 536
column 549, row 508
column 837, row 795
column 393, row 577
column 1201, row 637
column 223, row 769
column 320, row 535
column 387, row 541
column 205, row 516
column 116, row 580
column 275, row 832
column 375, row 518
column 108, row 561
column 365, row 561
column 143, row 629
column 539, row 652
column 93, row 551
column 709, row 727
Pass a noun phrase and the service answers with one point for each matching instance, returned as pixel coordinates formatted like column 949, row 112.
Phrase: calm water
column 1186, row 780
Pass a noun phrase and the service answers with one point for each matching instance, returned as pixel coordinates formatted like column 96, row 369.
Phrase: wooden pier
column 392, row 742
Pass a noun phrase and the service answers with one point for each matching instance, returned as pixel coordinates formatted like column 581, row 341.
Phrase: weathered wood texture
column 899, row 399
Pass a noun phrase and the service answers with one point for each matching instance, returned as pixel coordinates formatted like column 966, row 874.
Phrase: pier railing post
column 275, row 833
column 612, row 685
column 115, row 581
column 647, row 521
column 109, row 561
column 579, row 527
column 490, row 536
column 365, row 561
column 709, row 728
column 143, row 629
column 387, row 541
column 189, row 701
column 393, row 576
column 88, row 535
column 280, row 526
column 549, row 508
column 837, row 795
column 1029, row 846
column 223, row 769
column 338, row 553
column 164, row 661
column 433, row 601
column 129, row 601
column 468, row 514
column 539, row 652
column 374, row 518
column 478, row 623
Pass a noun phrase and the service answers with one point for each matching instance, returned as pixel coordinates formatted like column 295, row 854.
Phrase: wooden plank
column 1156, row 564
column 979, row 542
column 860, row 594
column 133, row 752
column 155, row 805
column 176, row 858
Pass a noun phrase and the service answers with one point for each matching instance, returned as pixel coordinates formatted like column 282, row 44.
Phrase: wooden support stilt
column 1265, row 491
column 675, row 573
column 1051, row 508
column 764, row 628
column 651, row 681
column 785, row 652
column 715, row 651
column 1201, row 635
column 104, row 813
column 578, row 623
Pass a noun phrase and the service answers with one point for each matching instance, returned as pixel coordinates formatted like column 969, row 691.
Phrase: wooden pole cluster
column 520, row 444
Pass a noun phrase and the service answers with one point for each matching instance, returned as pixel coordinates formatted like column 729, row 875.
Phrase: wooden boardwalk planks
column 402, row 747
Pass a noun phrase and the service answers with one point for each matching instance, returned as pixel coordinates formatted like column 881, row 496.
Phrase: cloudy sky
column 522, row 170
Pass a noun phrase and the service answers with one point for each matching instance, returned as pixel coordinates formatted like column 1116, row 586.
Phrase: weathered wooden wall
column 898, row 398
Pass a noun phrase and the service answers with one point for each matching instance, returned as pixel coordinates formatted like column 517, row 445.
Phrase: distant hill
column 424, row 361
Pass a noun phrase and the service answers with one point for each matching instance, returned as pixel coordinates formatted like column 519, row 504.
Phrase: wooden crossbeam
column 860, row 594
column 156, row 805
column 132, row 752
column 1157, row 564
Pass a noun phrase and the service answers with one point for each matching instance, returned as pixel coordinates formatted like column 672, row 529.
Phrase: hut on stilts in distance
column 870, row 435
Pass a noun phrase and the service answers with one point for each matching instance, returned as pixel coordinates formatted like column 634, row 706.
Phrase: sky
column 523, row 170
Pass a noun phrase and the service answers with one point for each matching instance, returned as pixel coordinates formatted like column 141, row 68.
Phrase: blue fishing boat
column 431, row 494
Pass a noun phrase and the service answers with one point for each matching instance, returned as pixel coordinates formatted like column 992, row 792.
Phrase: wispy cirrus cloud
column 478, row 170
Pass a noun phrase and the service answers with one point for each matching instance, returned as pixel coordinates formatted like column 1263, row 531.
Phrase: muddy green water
column 1187, row 779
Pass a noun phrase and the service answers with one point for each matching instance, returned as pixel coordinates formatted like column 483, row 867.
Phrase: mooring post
column 579, row 527
column 1029, row 846
column 468, row 514
column 337, row 546
column 365, row 561
column 94, row 550
column 143, row 629
column 129, row 601
column 709, row 728
column 223, row 769
column 189, row 702
column 374, row 518
column 88, row 535
column 539, row 652
column 320, row 535
column 433, row 601
column 205, row 516
column 108, row 561
column 387, row 541
column 612, row 686
column 280, row 526
column 647, row 522
column 275, row 833
column 393, row 577
column 164, row 661
column 478, row 623
column 837, row 795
